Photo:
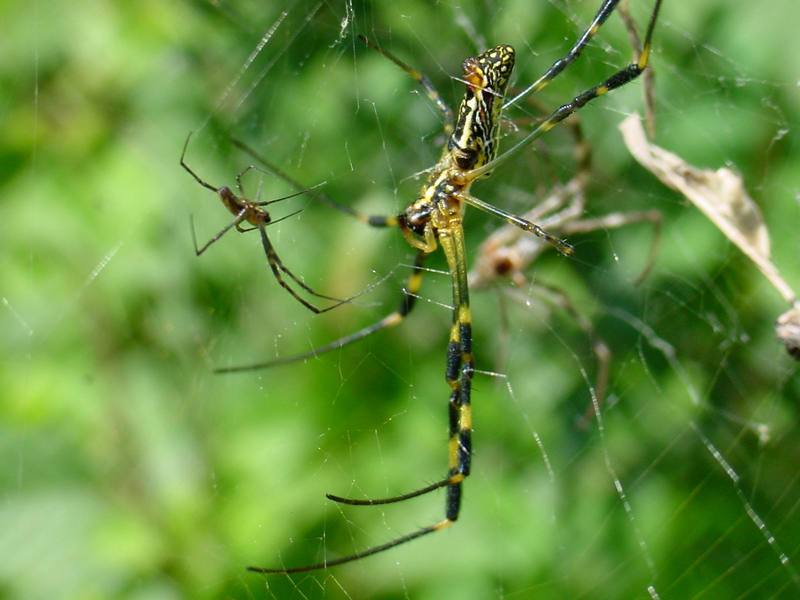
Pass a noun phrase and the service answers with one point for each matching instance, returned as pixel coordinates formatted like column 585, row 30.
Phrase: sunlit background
column 131, row 470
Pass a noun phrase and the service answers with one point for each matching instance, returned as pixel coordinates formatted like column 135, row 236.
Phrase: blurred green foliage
column 131, row 471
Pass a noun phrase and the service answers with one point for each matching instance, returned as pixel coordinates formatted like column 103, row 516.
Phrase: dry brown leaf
column 722, row 197
column 719, row 194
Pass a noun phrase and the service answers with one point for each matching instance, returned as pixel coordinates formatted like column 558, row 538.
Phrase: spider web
column 676, row 479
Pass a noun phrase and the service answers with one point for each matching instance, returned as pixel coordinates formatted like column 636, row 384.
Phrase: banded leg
column 618, row 79
column 422, row 80
column 407, row 303
column 558, row 66
column 459, row 371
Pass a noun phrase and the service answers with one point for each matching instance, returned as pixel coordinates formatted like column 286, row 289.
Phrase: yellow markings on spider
column 444, row 524
column 393, row 319
column 455, row 334
column 414, row 283
column 435, row 219
column 464, row 314
column 465, row 419
column 452, row 452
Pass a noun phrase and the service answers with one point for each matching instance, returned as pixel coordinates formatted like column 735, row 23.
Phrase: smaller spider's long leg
column 277, row 267
column 422, row 80
column 287, row 196
column 196, row 177
column 239, row 176
column 241, row 216
column 558, row 66
column 272, row 256
column 561, row 245
column 413, row 285
column 371, row 220
column 618, row 79
column 615, row 220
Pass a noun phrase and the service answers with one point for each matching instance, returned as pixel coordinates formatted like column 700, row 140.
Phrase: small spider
column 245, row 210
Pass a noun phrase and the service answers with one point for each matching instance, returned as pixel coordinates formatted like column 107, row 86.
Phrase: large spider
column 435, row 219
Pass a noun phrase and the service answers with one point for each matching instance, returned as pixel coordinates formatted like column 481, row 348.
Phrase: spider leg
column 618, row 79
column 649, row 77
column 277, row 266
column 371, row 220
column 287, row 196
column 299, row 281
column 241, row 174
column 582, row 151
column 196, row 177
column 600, row 349
column 561, row 245
column 235, row 223
column 413, row 285
column 300, row 192
column 558, row 66
column 621, row 219
column 459, row 371
column 422, row 80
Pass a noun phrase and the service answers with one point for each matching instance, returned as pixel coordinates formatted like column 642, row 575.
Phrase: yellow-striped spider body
column 435, row 219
